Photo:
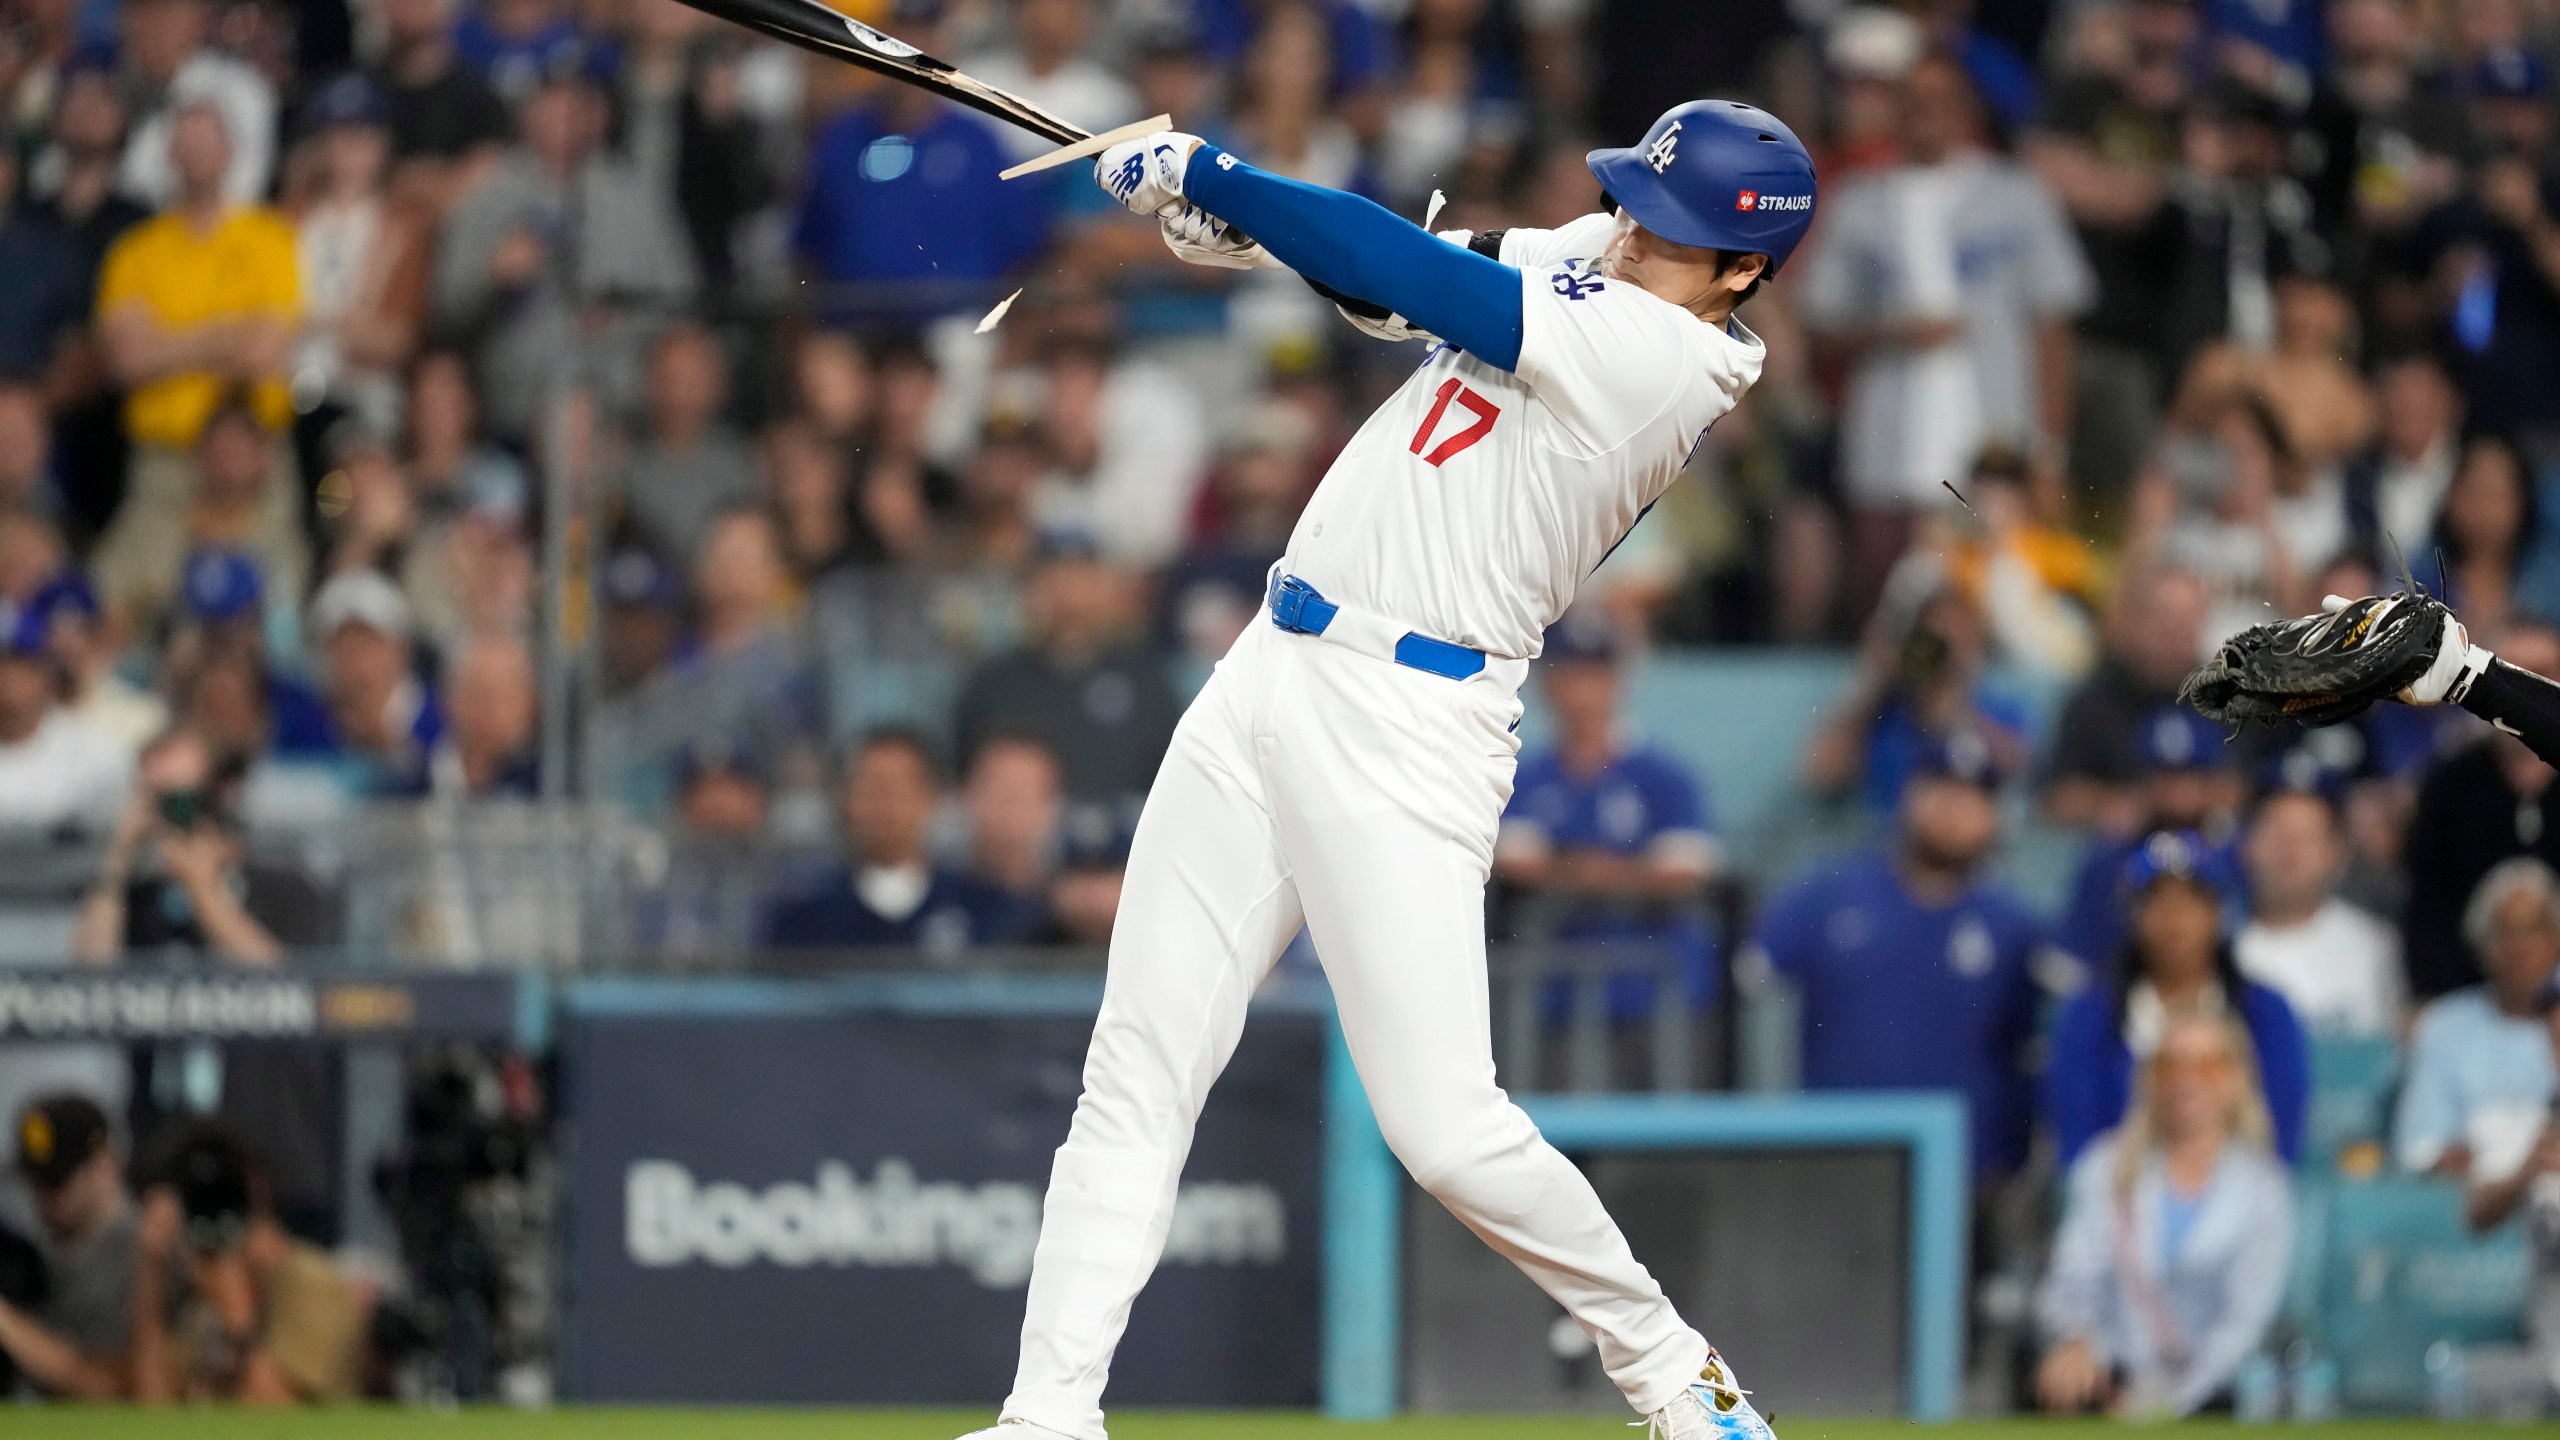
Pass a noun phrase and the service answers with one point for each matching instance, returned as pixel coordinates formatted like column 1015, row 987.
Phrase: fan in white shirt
column 2338, row 965
column 55, row 771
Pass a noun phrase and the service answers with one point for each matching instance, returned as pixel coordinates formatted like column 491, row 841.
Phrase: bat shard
column 879, row 44
column 995, row 317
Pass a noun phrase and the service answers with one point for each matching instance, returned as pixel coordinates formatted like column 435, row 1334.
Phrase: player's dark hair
column 1727, row 259
column 2127, row 972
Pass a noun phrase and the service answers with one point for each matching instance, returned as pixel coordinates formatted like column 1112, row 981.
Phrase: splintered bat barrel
column 813, row 26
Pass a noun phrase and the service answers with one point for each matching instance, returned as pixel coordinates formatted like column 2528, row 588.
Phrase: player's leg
column 1205, row 908
column 1391, row 851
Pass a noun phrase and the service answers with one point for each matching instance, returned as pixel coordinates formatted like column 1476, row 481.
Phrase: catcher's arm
column 2332, row 666
column 2517, row 701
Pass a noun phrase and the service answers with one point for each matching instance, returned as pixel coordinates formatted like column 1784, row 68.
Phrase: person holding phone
column 179, row 885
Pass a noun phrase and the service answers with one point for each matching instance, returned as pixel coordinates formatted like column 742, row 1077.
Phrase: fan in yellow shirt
column 201, row 301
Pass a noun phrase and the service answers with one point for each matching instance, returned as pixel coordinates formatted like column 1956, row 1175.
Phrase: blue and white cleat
column 1715, row 1408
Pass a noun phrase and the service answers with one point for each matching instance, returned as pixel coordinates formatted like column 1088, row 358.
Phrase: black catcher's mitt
column 2320, row 669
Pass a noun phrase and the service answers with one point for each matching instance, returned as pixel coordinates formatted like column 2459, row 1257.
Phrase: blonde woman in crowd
column 2176, row 1236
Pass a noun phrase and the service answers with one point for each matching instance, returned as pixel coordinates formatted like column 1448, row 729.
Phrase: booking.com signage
column 785, row 1206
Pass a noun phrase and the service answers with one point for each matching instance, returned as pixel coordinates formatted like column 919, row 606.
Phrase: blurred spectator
column 265, row 1319
column 1455, row 110
column 364, row 260
column 179, row 873
column 903, row 188
column 643, row 620
column 2484, row 803
column 2397, row 487
column 721, row 790
column 1128, row 448
column 699, row 112
column 709, row 908
column 2034, row 583
column 2176, row 1237
column 383, row 720
column 2336, row 964
column 234, row 499
column 2154, row 637
column 72, row 1346
column 179, row 879
column 2476, row 1103
column 805, row 478
column 2485, row 552
column 57, row 772
column 167, row 58
column 447, row 126
column 2485, row 258
column 1215, row 588
column 834, row 389
column 1608, row 840
column 2190, row 782
column 196, row 306
column 224, row 631
column 488, row 747
column 50, row 287
column 74, row 176
column 1015, row 812
column 2109, row 146
column 561, row 262
column 1917, row 970
column 1100, row 702
column 516, row 44
column 26, row 461
column 1047, row 64
column 93, row 691
column 689, row 465
column 2207, row 504
column 2175, row 962
column 1285, row 111
column 1947, row 357
column 1920, row 683
column 889, row 891
column 450, row 462
column 743, row 671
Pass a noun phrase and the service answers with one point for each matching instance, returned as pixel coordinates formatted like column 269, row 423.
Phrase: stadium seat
column 2402, row 1271
column 2352, row 1080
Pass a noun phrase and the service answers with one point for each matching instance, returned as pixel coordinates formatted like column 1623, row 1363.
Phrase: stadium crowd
column 428, row 405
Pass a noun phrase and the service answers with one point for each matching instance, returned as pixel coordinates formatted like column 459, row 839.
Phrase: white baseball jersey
column 1476, row 501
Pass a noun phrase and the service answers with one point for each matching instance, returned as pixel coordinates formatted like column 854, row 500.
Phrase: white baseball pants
column 1309, row 782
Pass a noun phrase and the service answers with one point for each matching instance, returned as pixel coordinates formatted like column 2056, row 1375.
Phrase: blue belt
column 1298, row 609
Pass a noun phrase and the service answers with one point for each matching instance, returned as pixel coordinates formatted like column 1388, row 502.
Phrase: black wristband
column 2520, row 703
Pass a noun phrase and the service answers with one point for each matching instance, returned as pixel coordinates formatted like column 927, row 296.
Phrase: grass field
column 581, row 1424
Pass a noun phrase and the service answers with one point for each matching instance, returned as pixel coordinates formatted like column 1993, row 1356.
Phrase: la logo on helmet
column 1662, row 152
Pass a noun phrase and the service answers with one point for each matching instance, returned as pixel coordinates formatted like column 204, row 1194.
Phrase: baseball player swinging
column 1348, row 762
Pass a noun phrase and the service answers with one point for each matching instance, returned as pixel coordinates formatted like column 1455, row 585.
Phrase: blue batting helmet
column 1717, row 174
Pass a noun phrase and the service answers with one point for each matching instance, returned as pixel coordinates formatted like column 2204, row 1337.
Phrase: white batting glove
column 1201, row 238
column 1146, row 174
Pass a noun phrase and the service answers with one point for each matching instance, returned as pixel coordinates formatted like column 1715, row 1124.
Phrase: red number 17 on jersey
column 1485, row 411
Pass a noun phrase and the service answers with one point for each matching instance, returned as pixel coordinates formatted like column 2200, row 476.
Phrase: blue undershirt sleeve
column 1363, row 249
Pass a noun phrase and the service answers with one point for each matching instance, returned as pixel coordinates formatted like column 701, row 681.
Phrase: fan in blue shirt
column 2191, row 782
column 2175, row 958
column 892, row 893
column 1618, row 828
column 904, row 189
column 1916, row 972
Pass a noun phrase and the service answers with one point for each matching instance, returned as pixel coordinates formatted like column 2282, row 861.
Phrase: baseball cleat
column 1714, row 1408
